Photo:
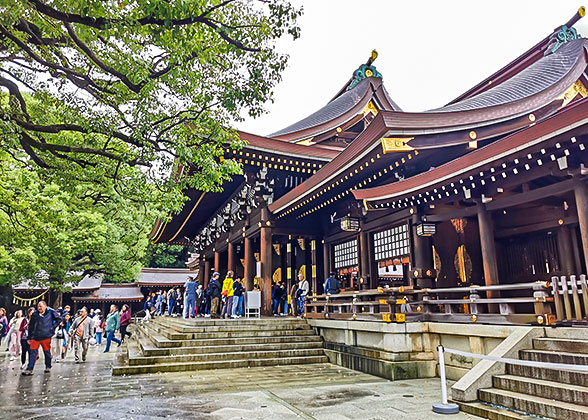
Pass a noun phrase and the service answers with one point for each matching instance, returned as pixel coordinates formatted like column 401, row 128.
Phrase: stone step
column 227, row 334
column 231, row 348
column 225, row 356
column 491, row 412
column 534, row 405
column 262, row 323
column 554, row 357
column 223, row 364
column 542, row 388
column 233, row 326
column 554, row 375
column 560, row 344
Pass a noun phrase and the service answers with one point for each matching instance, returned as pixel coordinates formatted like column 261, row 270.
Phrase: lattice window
column 392, row 243
column 346, row 254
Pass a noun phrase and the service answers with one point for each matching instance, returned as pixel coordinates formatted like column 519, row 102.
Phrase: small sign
column 350, row 224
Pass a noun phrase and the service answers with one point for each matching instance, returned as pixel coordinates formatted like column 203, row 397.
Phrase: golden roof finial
column 372, row 57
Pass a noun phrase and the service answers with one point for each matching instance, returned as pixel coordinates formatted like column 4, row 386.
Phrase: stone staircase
column 173, row 345
column 525, row 392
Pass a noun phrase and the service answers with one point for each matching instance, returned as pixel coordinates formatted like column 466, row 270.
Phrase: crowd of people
column 227, row 299
column 58, row 331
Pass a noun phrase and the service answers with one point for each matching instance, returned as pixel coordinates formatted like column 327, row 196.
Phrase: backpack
column 2, row 329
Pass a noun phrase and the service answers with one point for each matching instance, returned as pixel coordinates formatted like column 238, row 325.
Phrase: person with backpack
column 171, row 300
column 80, row 332
column 61, row 338
column 214, row 291
column 125, row 321
column 24, row 338
column 41, row 328
column 332, row 286
column 302, row 292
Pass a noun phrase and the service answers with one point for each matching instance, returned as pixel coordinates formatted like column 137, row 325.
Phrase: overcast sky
column 430, row 51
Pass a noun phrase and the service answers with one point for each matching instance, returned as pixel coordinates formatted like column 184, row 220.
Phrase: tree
column 55, row 230
column 166, row 256
column 154, row 84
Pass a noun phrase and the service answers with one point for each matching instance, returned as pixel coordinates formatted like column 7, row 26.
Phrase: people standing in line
column 303, row 290
column 293, row 298
column 237, row 298
column 228, row 293
column 80, row 332
column 206, row 303
column 98, row 329
column 163, row 302
column 190, row 303
column 41, row 328
column 171, row 300
column 3, row 324
column 199, row 301
column 283, row 300
column 24, row 338
column 15, row 334
column 332, row 286
column 125, row 321
column 179, row 302
column 112, row 326
column 214, row 291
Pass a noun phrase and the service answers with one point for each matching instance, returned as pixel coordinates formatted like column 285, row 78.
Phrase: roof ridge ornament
column 565, row 33
column 364, row 71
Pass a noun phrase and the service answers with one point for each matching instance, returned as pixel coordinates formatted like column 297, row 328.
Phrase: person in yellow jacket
column 228, row 294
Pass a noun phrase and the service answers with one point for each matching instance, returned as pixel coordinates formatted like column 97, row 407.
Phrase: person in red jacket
column 125, row 321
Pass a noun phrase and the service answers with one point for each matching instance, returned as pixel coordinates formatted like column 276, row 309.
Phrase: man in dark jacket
column 332, row 285
column 214, row 291
column 41, row 329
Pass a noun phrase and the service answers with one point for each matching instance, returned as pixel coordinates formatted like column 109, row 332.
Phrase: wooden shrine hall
column 488, row 190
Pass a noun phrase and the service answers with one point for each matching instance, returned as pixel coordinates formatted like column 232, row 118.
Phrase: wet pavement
column 316, row 391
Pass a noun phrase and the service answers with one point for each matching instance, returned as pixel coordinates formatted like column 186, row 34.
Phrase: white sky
column 430, row 51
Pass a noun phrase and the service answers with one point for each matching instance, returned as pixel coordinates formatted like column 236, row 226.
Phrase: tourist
column 199, row 301
column 228, row 294
column 15, row 334
column 62, row 344
column 277, row 292
column 237, row 298
column 332, row 286
column 111, row 327
column 159, row 303
column 214, row 291
column 91, row 314
column 3, row 324
column 190, row 301
column 125, row 321
column 98, row 326
column 41, row 329
column 205, row 303
column 178, row 310
column 171, row 300
column 163, row 302
column 302, row 292
column 80, row 332
column 24, row 337
column 292, row 298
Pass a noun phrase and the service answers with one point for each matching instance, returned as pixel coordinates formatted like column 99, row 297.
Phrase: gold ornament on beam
column 277, row 248
column 302, row 244
column 257, row 257
column 277, row 276
column 396, row 144
column 463, row 265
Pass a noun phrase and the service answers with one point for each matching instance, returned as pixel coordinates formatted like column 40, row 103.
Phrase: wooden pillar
column 291, row 275
column 581, row 194
column 201, row 273
column 423, row 265
column 217, row 258
column 206, row 273
column 488, row 249
column 266, row 250
column 565, row 250
column 313, row 260
column 364, row 260
column 249, row 264
column 231, row 257
column 326, row 259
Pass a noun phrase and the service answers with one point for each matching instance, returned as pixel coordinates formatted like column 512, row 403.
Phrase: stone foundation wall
column 407, row 351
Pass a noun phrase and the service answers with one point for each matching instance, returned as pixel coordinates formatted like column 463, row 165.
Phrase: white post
column 444, row 407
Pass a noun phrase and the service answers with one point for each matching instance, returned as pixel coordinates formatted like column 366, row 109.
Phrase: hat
column 216, row 273
column 98, row 311
column 332, row 273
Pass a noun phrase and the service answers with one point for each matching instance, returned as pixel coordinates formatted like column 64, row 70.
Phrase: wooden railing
column 521, row 303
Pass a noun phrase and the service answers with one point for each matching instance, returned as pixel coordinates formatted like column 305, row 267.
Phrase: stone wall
column 409, row 350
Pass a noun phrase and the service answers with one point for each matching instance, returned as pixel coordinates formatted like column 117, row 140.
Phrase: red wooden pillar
column 231, row 257
column 217, row 266
column 249, row 264
column 206, row 273
column 488, row 249
column 266, row 263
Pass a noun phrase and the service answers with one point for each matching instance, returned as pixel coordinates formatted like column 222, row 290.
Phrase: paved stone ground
column 323, row 391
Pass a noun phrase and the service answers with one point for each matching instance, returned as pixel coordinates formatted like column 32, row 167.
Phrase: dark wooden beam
column 551, row 224
column 533, row 195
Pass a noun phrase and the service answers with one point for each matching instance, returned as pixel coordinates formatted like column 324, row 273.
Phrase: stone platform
column 312, row 391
